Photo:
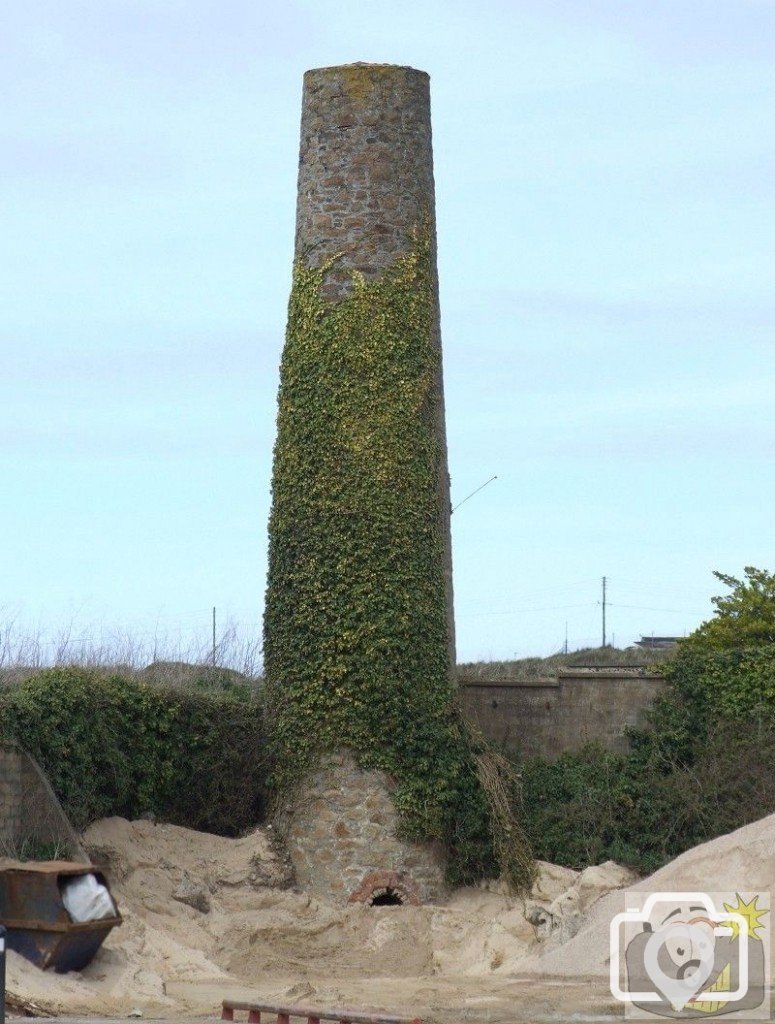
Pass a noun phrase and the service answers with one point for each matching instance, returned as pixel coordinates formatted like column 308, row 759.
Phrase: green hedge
column 703, row 767
column 591, row 806
column 646, row 808
column 112, row 745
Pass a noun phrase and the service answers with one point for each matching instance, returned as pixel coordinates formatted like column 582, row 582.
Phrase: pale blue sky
column 606, row 218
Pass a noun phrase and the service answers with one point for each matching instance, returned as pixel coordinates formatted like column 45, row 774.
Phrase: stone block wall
column 10, row 799
column 29, row 809
column 546, row 717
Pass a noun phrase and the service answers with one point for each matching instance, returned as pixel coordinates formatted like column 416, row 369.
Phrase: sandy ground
column 206, row 918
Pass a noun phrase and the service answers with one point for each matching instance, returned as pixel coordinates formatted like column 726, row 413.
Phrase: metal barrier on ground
column 311, row 1015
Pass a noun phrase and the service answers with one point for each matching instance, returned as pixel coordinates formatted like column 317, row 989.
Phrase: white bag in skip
column 86, row 899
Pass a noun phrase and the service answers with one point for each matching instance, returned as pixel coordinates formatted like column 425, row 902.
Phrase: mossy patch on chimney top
column 360, row 80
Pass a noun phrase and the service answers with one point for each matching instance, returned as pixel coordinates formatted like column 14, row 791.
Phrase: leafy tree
column 744, row 618
column 727, row 666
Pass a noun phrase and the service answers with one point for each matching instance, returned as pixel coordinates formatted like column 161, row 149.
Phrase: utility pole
column 566, row 637
column 604, row 583
column 213, row 636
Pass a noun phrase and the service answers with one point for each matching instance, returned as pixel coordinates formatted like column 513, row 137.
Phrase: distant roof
column 657, row 641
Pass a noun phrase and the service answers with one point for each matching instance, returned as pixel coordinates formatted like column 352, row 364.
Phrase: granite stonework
column 365, row 167
column 340, row 833
column 365, row 190
column 365, row 187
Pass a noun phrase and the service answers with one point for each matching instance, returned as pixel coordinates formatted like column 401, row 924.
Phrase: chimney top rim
column 366, row 66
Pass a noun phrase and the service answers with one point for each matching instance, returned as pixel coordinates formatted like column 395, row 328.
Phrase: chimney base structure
column 340, row 833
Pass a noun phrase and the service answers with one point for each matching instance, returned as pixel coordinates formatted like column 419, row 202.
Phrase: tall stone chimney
column 365, row 190
column 365, row 185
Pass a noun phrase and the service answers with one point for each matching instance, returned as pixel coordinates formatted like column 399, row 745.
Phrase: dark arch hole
column 387, row 898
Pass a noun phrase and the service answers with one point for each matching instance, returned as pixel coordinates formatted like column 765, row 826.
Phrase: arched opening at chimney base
column 386, row 898
column 386, row 889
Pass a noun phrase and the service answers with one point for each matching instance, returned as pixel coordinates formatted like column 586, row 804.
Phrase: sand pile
column 206, row 917
column 742, row 861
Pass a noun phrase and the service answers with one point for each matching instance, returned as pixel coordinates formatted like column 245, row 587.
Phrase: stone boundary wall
column 29, row 809
column 547, row 717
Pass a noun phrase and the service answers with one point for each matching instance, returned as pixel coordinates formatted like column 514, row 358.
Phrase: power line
column 647, row 608
column 521, row 611
column 537, row 593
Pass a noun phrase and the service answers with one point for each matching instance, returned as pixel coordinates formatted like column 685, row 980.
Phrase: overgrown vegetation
column 32, row 849
column 159, row 657
column 702, row 767
column 187, row 746
column 356, row 641
column 111, row 744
